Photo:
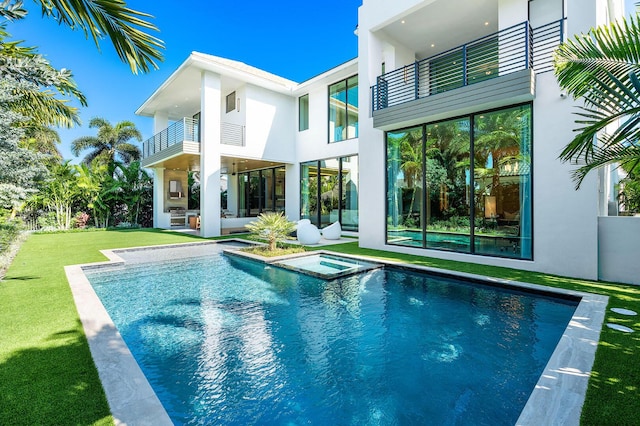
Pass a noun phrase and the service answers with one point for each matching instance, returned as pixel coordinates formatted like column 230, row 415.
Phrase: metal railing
column 510, row 50
column 187, row 129
column 545, row 40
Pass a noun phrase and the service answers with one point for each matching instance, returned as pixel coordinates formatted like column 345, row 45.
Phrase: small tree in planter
column 272, row 226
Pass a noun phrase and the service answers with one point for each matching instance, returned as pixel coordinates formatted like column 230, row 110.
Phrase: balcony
column 501, row 64
column 178, row 145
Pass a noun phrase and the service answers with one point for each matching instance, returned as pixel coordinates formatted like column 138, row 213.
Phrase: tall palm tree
column 99, row 19
column 111, row 144
column 602, row 68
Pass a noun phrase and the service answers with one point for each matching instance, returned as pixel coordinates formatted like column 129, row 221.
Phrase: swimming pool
column 260, row 344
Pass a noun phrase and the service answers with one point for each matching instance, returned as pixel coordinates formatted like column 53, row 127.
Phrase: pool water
column 225, row 340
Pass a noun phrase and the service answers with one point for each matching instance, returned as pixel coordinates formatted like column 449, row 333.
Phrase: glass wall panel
column 255, row 193
column 243, row 183
column 404, row 187
column 267, row 179
column 280, row 189
column 329, row 191
column 337, row 111
column 436, row 187
column 258, row 191
column 502, row 173
column 343, row 110
column 303, row 112
column 349, row 199
column 309, row 191
column 448, row 182
column 352, row 107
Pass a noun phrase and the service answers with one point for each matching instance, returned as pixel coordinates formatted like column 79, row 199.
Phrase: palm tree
column 98, row 19
column 111, row 144
column 34, row 85
column 602, row 68
column 135, row 189
column 43, row 140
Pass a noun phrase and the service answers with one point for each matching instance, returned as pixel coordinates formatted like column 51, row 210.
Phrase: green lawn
column 47, row 375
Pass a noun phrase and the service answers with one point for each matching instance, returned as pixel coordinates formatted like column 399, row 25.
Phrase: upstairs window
column 231, row 101
column 343, row 110
column 303, row 112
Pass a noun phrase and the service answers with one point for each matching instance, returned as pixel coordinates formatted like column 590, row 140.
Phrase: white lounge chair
column 332, row 232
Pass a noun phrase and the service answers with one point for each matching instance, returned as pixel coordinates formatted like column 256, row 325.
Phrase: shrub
column 272, row 227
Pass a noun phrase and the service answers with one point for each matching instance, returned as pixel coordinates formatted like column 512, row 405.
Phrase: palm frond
column 622, row 155
column 112, row 18
column 587, row 62
column 45, row 109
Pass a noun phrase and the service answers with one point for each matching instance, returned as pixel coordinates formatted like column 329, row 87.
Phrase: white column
column 158, row 198
column 210, row 103
column 160, row 121
column 292, row 191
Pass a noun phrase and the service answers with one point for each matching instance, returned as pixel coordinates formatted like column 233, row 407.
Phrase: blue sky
column 293, row 39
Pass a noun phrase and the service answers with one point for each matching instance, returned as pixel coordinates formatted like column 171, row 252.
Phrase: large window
column 442, row 197
column 343, row 110
column 261, row 191
column 329, row 192
column 303, row 112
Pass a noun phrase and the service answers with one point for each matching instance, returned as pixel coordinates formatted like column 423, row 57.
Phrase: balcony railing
column 510, row 50
column 188, row 130
column 185, row 130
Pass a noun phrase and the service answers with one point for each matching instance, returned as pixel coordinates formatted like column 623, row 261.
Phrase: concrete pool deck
column 556, row 399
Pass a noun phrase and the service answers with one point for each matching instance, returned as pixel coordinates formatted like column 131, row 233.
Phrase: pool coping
column 556, row 399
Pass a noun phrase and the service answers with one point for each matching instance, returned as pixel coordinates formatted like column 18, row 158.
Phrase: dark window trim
column 346, row 84
column 472, row 160
column 300, row 129
column 318, row 167
column 261, row 198
column 230, row 108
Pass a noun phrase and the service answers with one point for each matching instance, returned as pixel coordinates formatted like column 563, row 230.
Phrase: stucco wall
column 565, row 220
column 619, row 248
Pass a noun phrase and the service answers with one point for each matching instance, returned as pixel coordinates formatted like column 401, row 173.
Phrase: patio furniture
column 332, row 232
column 308, row 234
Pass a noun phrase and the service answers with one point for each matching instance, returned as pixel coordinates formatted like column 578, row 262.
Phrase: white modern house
column 440, row 139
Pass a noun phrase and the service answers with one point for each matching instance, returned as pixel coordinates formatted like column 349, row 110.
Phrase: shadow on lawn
column 57, row 384
column 22, row 278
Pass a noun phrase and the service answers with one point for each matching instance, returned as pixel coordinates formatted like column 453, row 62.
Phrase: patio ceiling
column 426, row 33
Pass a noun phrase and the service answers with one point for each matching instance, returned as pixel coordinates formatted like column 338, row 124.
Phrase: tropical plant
column 602, row 67
column 59, row 192
column 629, row 194
column 98, row 190
column 20, row 168
column 36, row 86
column 135, row 189
column 111, row 144
column 271, row 226
column 98, row 19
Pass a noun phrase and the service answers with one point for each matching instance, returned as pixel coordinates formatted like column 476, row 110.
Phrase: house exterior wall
column 565, row 220
column 269, row 134
column 568, row 236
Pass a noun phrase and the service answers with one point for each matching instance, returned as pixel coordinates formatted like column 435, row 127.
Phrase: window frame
column 346, row 108
column 303, row 121
column 230, row 105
